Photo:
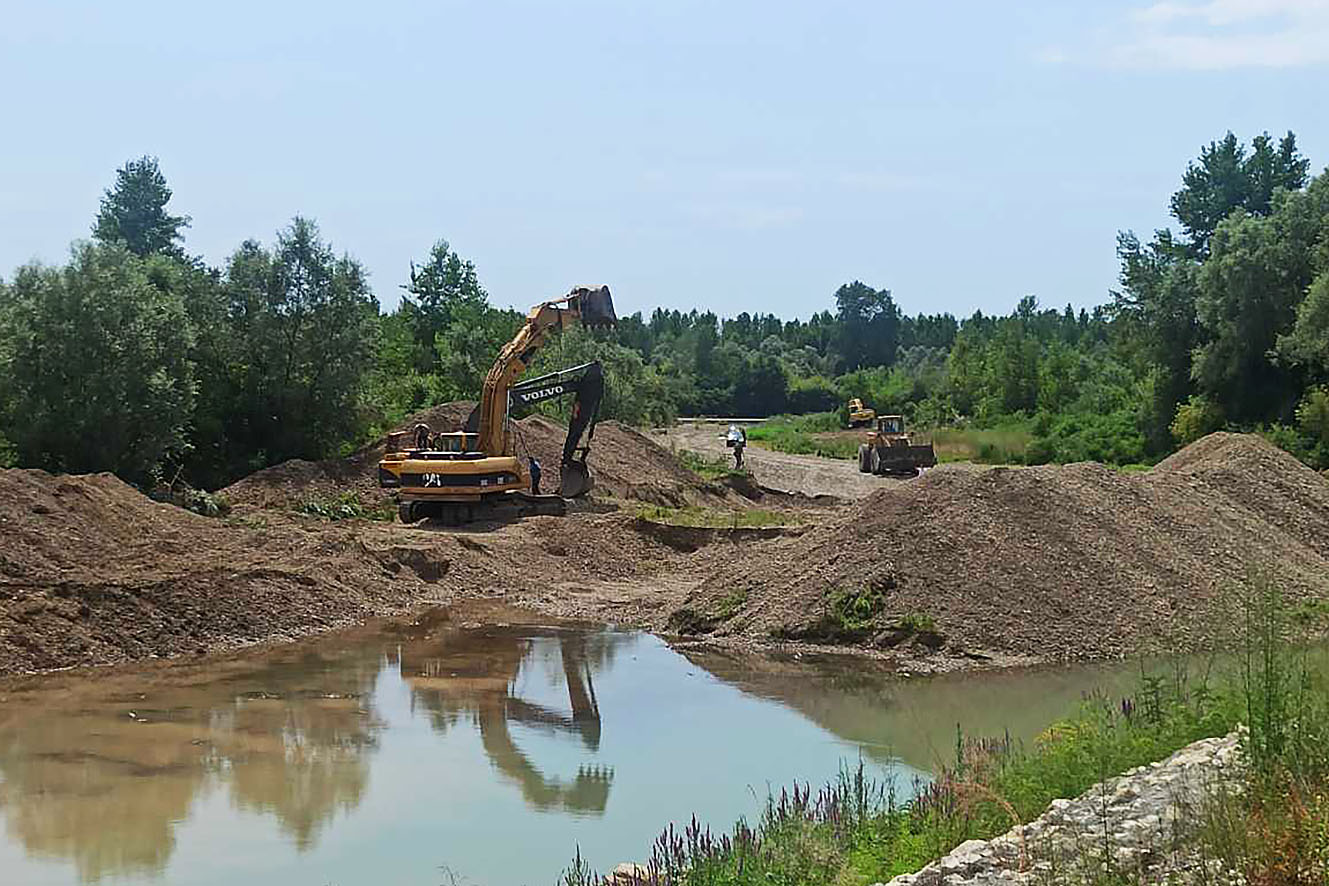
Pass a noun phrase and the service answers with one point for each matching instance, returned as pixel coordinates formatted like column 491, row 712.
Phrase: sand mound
column 293, row 482
column 92, row 571
column 625, row 463
column 1055, row 561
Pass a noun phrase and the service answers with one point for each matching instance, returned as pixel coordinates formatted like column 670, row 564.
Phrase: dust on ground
column 985, row 565
column 808, row 475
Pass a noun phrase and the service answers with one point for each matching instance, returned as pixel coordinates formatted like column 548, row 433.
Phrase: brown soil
column 625, row 464
column 1011, row 564
column 1053, row 562
column 93, row 572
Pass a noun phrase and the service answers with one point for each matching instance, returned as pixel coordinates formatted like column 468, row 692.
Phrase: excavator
column 460, row 476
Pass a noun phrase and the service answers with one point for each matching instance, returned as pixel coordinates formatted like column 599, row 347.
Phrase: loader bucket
column 574, row 479
column 595, row 305
column 906, row 459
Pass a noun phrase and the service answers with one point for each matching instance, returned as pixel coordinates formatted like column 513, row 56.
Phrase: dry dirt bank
column 1057, row 562
column 1010, row 564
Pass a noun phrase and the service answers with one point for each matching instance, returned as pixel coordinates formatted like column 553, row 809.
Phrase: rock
column 1142, row 811
column 629, row 874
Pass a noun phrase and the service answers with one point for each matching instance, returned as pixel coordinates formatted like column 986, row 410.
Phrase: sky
column 737, row 156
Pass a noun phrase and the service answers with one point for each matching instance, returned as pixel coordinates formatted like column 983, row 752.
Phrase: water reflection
column 475, row 674
column 99, row 774
column 383, row 753
column 98, row 770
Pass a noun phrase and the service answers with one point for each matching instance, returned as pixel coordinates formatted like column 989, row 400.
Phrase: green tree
column 305, row 325
column 1226, row 178
column 97, row 365
column 469, row 344
column 1308, row 342
column 869, row 325
column 444, row 290
column 1251, row 288
column 133, row 211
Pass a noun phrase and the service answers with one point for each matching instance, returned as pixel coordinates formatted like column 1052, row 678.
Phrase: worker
column 534, row 465
column 422, row 436
column 737, row 439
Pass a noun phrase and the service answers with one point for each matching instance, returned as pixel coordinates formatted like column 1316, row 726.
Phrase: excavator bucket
column 595, row 305
column 574, row 479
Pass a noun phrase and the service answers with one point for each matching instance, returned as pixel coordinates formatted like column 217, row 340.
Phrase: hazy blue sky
column 736, row 156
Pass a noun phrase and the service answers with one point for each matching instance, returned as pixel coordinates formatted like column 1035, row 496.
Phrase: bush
column 344, row 506
column 1195, row 418
column 813, row 394
column 1112, row 439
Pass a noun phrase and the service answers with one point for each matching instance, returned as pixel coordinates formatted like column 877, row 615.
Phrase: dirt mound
column 291, row 483
column 1056, row 561
column 625, row 464
column 92, row 572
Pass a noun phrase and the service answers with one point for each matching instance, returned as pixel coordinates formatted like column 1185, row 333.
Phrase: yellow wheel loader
column 471, row 474
column 860, row 416
column 890, row 449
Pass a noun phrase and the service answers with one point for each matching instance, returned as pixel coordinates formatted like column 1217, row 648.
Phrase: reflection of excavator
column 459, row 678
column 457, row 476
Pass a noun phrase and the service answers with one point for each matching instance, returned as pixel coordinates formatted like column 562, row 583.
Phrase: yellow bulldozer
column 890, row 449
column 466, row 475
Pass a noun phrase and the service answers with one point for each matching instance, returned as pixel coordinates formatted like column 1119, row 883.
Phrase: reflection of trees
column 96, row 776
column 291, row 733
column 104, row 800
column 300, row 748
column 474, row 673
column 913, row 720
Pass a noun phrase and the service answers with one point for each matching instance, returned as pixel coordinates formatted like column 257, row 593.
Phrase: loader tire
column 864, row 458
column 876, row 461
column 406, row 512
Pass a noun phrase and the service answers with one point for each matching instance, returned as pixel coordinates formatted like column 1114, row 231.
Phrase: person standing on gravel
column 737, row 439
column 534, row 465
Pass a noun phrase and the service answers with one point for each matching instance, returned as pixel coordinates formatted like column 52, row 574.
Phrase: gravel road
column 806, row 474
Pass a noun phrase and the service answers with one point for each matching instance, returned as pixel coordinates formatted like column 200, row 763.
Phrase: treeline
column 137, row 358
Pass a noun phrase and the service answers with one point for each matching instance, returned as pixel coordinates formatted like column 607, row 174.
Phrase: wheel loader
column 890, row 449
column 860, row 416
column 460, row 476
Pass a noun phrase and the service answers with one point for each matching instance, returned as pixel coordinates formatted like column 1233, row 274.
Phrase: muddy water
column 446, row 752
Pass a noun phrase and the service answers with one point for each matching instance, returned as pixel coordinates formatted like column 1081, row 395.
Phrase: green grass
column 344, row 506
column 816, row 433
column 853, row 831
column 713, row 518
column 709, row 469
column 1004, row 445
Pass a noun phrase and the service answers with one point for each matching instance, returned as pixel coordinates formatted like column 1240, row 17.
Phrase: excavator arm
column 589, row 306
column 587, row 382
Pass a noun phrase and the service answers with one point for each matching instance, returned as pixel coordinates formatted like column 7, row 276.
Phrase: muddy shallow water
column 444, row 751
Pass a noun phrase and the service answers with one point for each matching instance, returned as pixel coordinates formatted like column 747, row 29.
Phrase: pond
column 459, row 748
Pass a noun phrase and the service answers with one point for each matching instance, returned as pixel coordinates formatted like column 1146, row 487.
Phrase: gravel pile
column 1053, row 562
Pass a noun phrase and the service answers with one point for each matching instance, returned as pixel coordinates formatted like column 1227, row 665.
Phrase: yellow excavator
column 466, row 475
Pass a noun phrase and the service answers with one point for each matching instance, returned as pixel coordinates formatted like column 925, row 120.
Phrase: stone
column 1139, row 811
column 629, row 874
